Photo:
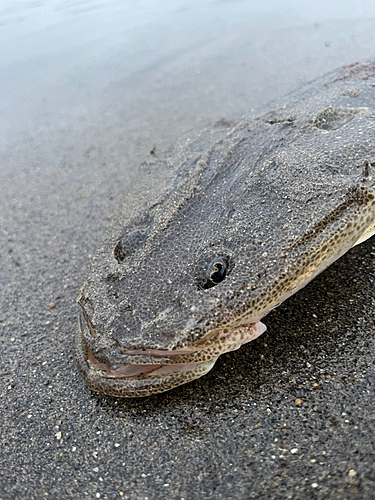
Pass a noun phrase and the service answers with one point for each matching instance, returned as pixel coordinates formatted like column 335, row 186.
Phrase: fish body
column 221, row 229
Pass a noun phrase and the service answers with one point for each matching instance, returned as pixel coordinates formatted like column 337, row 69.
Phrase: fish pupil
column 219, row 272
column 211, row 272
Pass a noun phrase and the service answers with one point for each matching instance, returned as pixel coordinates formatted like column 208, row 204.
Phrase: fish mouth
column 161, row 370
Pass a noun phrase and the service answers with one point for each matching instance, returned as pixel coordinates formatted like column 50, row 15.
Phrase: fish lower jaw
column 154, row 379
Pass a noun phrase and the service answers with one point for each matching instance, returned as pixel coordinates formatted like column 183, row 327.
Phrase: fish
column 221, row 229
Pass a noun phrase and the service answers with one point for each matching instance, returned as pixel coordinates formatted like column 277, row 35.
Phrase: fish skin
column 280, row 196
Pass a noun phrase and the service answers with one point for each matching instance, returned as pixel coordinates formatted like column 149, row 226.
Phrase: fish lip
column 135, row 371
column 129, row 386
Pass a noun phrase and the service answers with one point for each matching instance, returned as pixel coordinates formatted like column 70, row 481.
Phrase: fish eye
column 211, row 272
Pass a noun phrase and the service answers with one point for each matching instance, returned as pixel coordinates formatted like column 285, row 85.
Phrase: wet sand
column 290, row 415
